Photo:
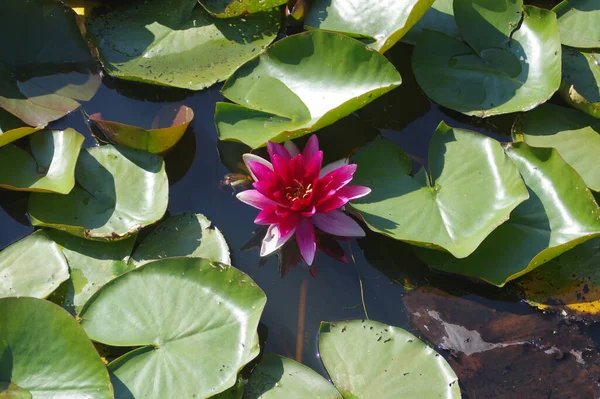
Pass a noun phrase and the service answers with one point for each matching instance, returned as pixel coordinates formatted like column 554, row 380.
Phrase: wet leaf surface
column 439, row 17
column 164, row 134
column 178, row 43
column 33, row 266
column 235, row 8
column 44, row 353
column 580, row 86
column 188, row 234
column 111, row 199
column 471, row 187
column 277, row 97
column 92, row 264
column 491, row 73
column 368, row 358
column 574, row 135
column 177, row 310
column 560, row 214
column 578, row 23
column 12, row 128
column 378, row 24
column 50, row 167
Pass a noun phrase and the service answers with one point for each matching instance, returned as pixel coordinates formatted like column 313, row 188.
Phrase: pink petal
column 310, row 212
column 280, row 165
column 330, row 184
column 267, row 216
column 291, row 148
column 255, row 158
column 313, row 168
column 334, row 202
column 255, row 199
column 333, row 166
column 338, row 223
column 353, row 192
column 260, row 172
column 310, row 149
column 273, row 240
column 278, row 149
column 342, row 197
column 287, row 222
column 305, row 237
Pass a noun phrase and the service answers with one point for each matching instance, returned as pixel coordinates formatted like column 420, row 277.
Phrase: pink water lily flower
column 295, row 194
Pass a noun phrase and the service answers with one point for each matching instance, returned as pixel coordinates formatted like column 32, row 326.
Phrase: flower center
column 297, row 191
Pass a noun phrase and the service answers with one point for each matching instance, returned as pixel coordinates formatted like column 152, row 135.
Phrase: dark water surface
column 195, row 170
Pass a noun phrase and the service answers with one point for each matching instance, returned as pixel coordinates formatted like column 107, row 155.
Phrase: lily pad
column 559, row 214
column 92, row 263
column 12, row 128
column 155, row 141
column 580, row 86
column 278, row 377
column 509, row 75
column 119, row 191
column 379, row 24
column 179, row 311
column 488, row 24
column 235, row 8
column 371, row 359
column 178, row 43
column 33, row 266
column 569, row 284
column 439, row 17
column 45, row 354
column 278, row 97
column 578, row 23
column 470, row 189
column 574, row 135
column 365, row 359
column 187, row 234
column 42, row 79
column 49, row 168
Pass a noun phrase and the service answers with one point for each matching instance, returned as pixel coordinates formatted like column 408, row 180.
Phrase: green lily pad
column 365, row 359
column 40, row 80
column 379, row 24
column 119, row 191
column 49, row 168
column 92, row 263
column 580, row 86
column 574, row 135
column 559, row 214
column 45, row 353
column 195, row 321
column 500, row 78
column 155, row 141
column 486, row 24
column 368, row 359
column 578, row 23
column 470, row 189
column 235, row 8
column 439, row 17
column 569, row 284
column 188, row 234
column 278, row 377
column 178, row 43
column 12, row 128
column 278, row 97
column 33, row 266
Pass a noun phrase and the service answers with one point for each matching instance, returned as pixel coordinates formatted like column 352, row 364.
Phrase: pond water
column 298, row 302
